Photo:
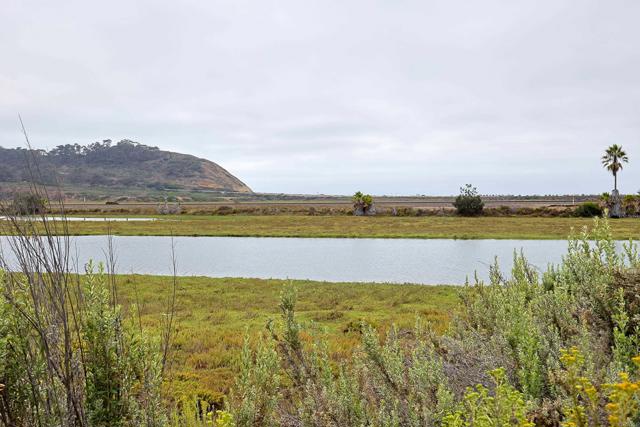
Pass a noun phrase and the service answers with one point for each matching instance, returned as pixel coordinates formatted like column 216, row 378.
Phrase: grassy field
column 213, row 316
column 519, row 227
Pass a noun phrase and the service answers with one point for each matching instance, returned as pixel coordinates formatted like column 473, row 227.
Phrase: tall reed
column 69, row 355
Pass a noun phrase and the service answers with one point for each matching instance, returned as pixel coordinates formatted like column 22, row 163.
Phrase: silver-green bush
column 499, row 364
column 88, row 367
column 69, row 356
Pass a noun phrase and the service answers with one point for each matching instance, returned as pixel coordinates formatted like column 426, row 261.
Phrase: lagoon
column 434, row 261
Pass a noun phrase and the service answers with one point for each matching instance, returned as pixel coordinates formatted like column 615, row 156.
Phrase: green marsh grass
column 213, row 315
column 517, row 227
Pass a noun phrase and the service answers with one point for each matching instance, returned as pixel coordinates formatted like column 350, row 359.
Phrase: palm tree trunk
column 615, row 181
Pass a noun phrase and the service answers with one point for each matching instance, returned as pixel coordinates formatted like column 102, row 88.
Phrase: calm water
column 364, row 260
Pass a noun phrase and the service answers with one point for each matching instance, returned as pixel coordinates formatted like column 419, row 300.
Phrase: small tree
column 468, row 203
column 363, row 204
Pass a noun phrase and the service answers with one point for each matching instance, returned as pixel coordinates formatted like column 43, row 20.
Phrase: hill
column 126, row 164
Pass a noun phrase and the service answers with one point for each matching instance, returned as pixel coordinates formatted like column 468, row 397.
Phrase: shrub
column 69, row 357
column 630, row 205
column 506, row 407
column 27, row 204
column 363, row 204
column 606, row 202
column 468, row 203
column 169, row 209
column 254, row 400
column 503, row 210
column 588, row 210
column 526, row 211
column 404, row 211
column 96, row 370
column 224, row 210
column 583, row 407
column 503, row 361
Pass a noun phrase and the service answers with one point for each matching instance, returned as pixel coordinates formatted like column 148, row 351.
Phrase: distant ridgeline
column 126, row 164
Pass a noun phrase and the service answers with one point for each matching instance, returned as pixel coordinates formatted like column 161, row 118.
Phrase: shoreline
column 337, row 227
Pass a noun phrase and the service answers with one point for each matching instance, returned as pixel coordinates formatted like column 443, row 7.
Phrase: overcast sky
column 387, row 97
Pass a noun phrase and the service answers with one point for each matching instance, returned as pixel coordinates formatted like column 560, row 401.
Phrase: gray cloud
column 391, row 97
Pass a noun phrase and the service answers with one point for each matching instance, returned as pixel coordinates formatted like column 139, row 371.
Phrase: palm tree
column 612, row 160
column 362, row 203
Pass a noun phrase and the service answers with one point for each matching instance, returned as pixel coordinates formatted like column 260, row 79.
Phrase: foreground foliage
column 84, row 365
column 533, row 348
column 69, row 357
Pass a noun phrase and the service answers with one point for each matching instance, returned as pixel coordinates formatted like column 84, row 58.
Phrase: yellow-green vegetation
column 584, row 404
column 213, row 316
column 348, row 226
